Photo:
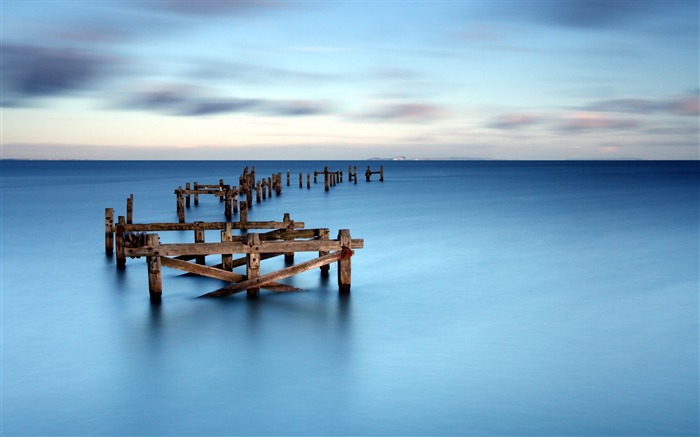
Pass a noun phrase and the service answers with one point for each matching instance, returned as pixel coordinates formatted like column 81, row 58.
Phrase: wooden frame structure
column 255, row 247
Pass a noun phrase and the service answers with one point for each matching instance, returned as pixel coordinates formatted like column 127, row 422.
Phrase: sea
column 491, row 298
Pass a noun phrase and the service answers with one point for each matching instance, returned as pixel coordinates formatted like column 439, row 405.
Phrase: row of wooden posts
column 284, row 237
column 263, row 189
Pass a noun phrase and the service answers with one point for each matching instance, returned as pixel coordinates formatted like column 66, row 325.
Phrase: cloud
column 193, row 102
column 682, row 105
column 589, row 14
column 514, row 121
column 588, row 121
column 30, row 72
column 215, row 7
column 406, row 112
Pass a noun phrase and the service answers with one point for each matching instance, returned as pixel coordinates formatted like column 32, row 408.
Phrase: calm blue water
column 491, row 298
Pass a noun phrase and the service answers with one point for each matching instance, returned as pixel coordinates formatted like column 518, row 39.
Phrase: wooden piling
column 109, row 231
column 155, row 278
column 199, row 238
column 288, row 177
column 288, row 256
column 121, row 257
column 326, row 178
column 130, row 209
column 222, row 187
column 324, row 234
column 381, row 173
column 301, row 180
column 253, row 262
column 227, row 258
column 180, row 205
column 227, row 203
column 235, row 200
column 355, row 175
column 244, row 214
column 187, row 195
column 196, row 196
column 344, row 262
column 308, row 181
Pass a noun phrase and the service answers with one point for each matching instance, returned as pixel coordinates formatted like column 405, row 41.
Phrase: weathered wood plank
column 209, row 226
column 178, row 249
column 280, row 274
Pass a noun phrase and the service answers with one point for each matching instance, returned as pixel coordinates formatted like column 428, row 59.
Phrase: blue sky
column 185, row 79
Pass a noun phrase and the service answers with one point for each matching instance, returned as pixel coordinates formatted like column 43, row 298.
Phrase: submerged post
column 187, row 194
column 199, row 238
column 323, row 234
column 344, row 264
column 130, row 209
column 121, row 256
column 253, row 261
column 180, row 205
column 109, row 231
column 155, row 279
column 288, row 256
column 196, row 195
column 227, row 258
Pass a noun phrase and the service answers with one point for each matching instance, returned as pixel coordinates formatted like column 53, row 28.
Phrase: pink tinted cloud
column 689, row 105
column 514, row 121
column 589, row 121
column 414, row 111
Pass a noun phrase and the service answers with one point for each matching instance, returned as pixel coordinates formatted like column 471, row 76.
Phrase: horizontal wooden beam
column 231, row 247
column 209, row 226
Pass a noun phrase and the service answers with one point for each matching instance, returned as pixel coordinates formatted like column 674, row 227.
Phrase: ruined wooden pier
column 285, row 237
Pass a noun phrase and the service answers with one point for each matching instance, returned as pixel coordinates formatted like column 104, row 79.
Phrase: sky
column 269, row 79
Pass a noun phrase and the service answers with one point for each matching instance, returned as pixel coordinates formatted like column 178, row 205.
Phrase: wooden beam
column 260, row 281
column 216, row 273
column 177, row 249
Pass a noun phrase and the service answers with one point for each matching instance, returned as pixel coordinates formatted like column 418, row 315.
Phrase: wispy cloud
column 589, row 121
column 407, row 112
column 216, row 7
column 514, row 121
column 681, row 105
column 193, row 102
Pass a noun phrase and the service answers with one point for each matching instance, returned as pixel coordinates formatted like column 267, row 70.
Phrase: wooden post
column 155, row 279
column 368, row 173
column 235, row 200
column 278, row 186
column 221, row 188
column 180, row 206
column 121, row 256
column 323, row 234
column 381, row 173
column 355, row 175
column 344, row 265
column 227, row 204
column 301, row 180
column 258, row 188
column 244, row 214
column 196, row 195
column 187, row 195
column 288, row 256
column 315, row 175
column 288, row 177
column 253, row 262
column 308, row 181
column 130, row 209
column 109, row 231
column 269, row 187
column 227, row 258
column 199, row 238
column 326, row 178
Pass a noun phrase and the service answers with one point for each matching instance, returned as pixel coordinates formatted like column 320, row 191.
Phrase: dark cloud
column 590, row 14
column 30, row 72
column 186, row 101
